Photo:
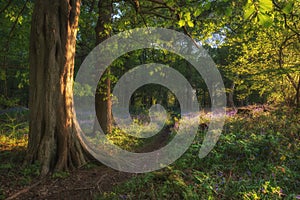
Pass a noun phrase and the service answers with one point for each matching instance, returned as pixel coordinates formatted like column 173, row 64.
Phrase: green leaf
column 170, row 3
column 265, row 5
column 197, row 12
column 207, row 5
column 288, row 8
column 265, row 20
column 181, row 23
column 187, row 16
column 249, row 10
column 190, row 23
column 228, row 11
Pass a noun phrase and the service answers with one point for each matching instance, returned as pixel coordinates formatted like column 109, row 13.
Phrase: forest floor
column 80, row 184
column 84, row 183
column 257, row 157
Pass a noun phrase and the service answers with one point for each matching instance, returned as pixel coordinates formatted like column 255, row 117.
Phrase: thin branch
column 156, row 14
column 161, row 2
column 16, row 21
column 144, row 21
column 155, row 8
column 286, row 24
column 280, row 61
column 285, row 19
column 24, row 190
column 190, row 36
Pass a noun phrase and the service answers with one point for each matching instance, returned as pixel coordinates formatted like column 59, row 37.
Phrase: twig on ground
column 24, row 190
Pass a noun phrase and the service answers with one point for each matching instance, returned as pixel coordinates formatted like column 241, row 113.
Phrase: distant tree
column 103, row 31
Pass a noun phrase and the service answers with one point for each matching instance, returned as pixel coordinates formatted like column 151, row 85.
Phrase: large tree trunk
column 53, row 135
column 103, row 94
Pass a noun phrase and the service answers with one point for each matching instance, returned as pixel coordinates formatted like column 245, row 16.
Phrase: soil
column 80, row 184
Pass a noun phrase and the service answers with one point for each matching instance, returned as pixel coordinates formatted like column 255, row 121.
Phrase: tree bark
column 53, row 136
column 103, row 94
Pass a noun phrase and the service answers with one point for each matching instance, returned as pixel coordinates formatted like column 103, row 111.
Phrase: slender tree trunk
column 53, row 135
column 298, row 93
column 5, row 80
column 103, row 95
column 230, row 101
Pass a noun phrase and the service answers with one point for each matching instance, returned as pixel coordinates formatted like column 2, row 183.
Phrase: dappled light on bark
column 53, row 140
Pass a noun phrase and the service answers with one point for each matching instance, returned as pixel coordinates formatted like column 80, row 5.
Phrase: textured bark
column 103, row 96
column 53, row 135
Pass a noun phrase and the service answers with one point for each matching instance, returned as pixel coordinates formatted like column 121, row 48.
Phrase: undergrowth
column 13, row 141
column 256, row 157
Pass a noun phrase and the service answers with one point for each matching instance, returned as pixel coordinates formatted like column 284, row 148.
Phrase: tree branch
column 17, row 18
column 280, row 61
column 161, row 2
column 156, row 14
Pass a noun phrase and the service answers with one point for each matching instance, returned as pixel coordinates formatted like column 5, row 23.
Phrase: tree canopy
column 256, row 47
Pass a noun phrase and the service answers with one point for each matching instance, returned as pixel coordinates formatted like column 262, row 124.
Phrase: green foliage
column 13, row 141
column 14, row 129
column 259, row 36
column 23, row 78
column 261, row 9
column 6, row 166
column 5, row 102
column 15, row 17
column 29, row 172
column 186, row 19
column 90, row 165
column 263, row 53
column 288, row 8
column 60, row 175
column 82, row 90
column 124, row 140
column 256, row 158
column 2, row 75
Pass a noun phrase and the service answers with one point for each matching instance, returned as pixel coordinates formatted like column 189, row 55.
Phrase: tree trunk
column 297, row 96
column 230, row 101
column 53, row 135
column 103, row 94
